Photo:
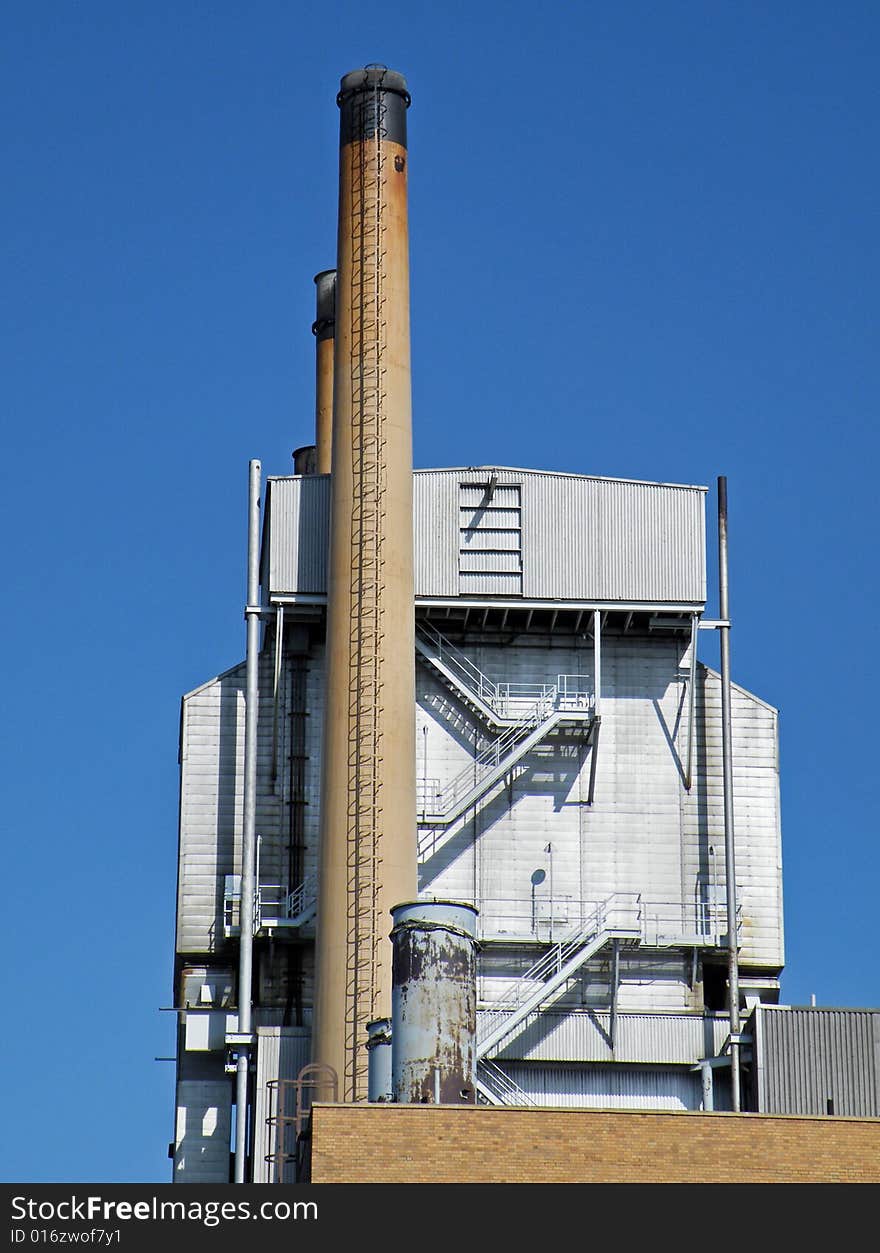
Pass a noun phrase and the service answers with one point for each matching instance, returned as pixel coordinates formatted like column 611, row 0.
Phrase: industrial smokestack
column 368, row 806
column 324, row 330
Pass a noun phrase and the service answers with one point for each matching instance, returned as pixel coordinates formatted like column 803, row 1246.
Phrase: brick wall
column 462, row 1144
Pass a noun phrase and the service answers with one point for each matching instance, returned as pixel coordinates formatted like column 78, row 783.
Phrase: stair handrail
column 597, row 923
column 303, row 897
column 492, row 756
column 499, row 1084
column 470, row 680
column 477, row 683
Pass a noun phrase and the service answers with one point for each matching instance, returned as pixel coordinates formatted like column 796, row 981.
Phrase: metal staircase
column 499, row 704
column 496, row 1087
column 618, row 917
column 527, row 712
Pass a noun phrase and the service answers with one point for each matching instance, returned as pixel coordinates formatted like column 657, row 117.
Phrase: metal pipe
column 248, row 836
column 692, row 705
column 379, row 1043
column 597, row 662
column 708, row 1087
column 615, row 989
column 324, row 331
column 368, row 787
column 276, row 688
column 727, row 755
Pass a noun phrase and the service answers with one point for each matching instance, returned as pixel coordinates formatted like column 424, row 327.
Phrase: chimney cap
column 370, row 78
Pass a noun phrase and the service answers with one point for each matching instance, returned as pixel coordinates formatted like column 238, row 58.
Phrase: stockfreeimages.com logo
column 93, row 1209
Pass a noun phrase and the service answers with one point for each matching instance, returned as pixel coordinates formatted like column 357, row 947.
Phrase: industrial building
column 478, row 688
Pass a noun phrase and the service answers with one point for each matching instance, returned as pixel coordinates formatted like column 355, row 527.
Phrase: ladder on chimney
column 617, row 917
column 365, row 746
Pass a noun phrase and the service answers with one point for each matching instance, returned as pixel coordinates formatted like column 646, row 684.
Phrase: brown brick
column 460, row 1144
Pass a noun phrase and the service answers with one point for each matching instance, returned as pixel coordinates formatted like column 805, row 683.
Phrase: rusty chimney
column 368, row 807
column 324, row 330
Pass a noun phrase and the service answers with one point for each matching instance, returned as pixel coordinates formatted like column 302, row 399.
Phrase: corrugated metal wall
column 585, row 1036
column 806, row 1058
column 281, row 1054
column 606, row 1087
column 755, row 751
column 298, row 512
column 601, row 539
column 435, row 514
column 582, row 538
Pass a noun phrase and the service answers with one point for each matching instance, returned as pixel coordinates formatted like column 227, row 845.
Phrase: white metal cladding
column 585, row 1036
column 755, row 751
column 606, row 1087
column 808, row 1057
column 435, row 539
column 644, row 832
column 281, row 1054
column 298, row 511
column 582, row 538
column 211, row 793
column 202, row 1134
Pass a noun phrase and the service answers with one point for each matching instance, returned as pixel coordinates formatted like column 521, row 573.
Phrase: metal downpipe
column 727, row 755
column 248, row 834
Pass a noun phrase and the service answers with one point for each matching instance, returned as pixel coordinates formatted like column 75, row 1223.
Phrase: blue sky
column 644, row 244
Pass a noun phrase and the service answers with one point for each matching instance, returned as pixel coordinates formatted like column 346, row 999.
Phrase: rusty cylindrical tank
column 434, row 1003
column 368, row 807
column 324, row 330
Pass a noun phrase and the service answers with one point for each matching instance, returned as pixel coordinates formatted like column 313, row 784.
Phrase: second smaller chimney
column 324, row 330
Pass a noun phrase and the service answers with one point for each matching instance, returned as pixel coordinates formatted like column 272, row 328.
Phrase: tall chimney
column 368, row 805
column 324, row 328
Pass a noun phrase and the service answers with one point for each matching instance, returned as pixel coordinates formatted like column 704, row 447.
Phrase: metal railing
column 664, row 923
column 622, row 911
column 274, row 905
column 504, row 700
column 497, row 752
column 497, row 1087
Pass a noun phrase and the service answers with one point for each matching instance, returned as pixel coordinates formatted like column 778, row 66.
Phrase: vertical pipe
column 368, row 791
column 615, row 989
column 727, row 754
column 692, row 705
column 597, row 702
column 708, row 1087
column 324, row 330
column 597, row 662
column 248, row 838
column 379, row 1043
column 276, row 689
